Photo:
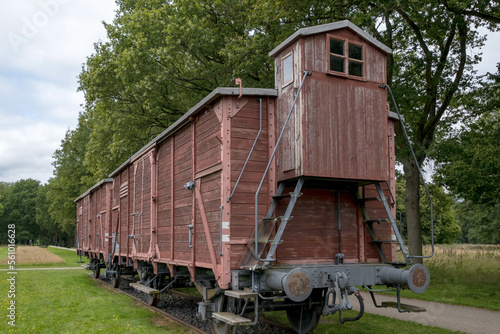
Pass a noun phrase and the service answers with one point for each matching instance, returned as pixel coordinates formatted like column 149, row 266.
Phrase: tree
column 3, row 189
column 480, row 223
column 20, row 209
column 50, row 232
column 446, row 227
column 71, row 178
column 161, row 59
column 469, row 161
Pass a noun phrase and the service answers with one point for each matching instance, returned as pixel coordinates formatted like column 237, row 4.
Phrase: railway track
column 106, row 284
column 181, row 308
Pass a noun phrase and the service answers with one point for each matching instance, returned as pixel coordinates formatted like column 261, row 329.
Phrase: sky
column 43, row 44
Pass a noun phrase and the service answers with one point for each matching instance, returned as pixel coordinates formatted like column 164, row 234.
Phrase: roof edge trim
column 329, row 27
column 215, row 94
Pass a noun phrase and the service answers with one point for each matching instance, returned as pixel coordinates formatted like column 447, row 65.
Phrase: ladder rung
column 368, row 199
column 231, row 319
column 379, row 220
column 282, row 196
column 269, row 219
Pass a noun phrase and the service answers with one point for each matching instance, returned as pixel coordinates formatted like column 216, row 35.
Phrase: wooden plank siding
column 245, row 126
column 93, row 220
column 339, row 124
column 123, row 211
column 312, row 236
column 340, row 130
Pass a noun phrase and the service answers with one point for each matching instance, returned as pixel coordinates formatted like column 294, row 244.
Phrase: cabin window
column 287, row 69
column 346, row 58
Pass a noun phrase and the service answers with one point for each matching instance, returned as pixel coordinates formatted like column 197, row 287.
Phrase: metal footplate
column 231, row 319
column 240, row 294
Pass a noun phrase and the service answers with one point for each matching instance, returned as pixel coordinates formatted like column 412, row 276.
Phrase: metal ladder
column 252, row 256
column 387, row 218
column 260, row 238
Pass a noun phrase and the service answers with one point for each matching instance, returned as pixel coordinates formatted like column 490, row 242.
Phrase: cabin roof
column 325, row 28
column 210, row 98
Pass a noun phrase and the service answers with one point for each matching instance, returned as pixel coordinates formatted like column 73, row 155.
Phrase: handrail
column 419, row 172
column 249, row 154
column 256, row 249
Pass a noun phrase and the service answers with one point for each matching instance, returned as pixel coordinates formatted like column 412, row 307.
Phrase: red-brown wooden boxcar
column 265, row 198
column 93, row 221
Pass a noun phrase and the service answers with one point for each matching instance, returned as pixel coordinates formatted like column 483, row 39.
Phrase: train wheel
column 152, row 300
column 303, row 318
column 219, row 327
column 115, row 280
column 96, row 269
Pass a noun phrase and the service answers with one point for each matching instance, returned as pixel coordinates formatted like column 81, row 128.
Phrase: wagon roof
column 329, row 27
column 214, row 95
column 97, row 185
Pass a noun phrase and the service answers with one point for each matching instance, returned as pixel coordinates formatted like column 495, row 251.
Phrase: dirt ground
column 34, row 254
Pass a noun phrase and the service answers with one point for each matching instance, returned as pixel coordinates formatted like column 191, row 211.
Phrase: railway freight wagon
column 265, row 199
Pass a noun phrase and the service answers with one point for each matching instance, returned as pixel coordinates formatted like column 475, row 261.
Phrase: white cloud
column 26, row 148
column 43, row 44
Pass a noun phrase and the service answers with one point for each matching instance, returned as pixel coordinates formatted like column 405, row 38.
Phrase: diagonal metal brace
column 399, row 238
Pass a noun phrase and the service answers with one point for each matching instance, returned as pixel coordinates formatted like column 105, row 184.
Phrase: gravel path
column 457, row 318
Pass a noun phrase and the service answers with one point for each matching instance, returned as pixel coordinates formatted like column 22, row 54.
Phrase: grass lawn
column 59, row 301
column 3, row 252
column 71, row 302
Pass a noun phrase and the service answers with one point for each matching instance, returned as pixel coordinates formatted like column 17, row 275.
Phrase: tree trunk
column 412, row 200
